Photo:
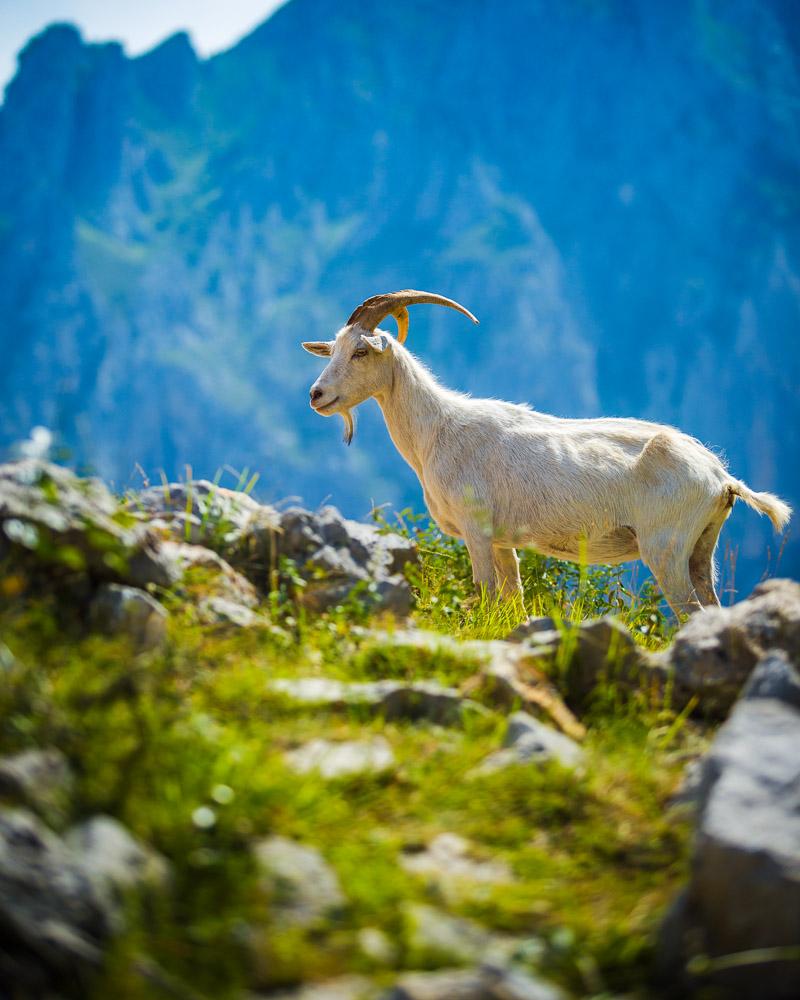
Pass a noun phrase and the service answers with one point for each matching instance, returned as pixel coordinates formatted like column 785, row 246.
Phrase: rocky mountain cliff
column 611, row 187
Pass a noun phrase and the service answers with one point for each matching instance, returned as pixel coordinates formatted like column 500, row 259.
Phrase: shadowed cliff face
column 611, row 188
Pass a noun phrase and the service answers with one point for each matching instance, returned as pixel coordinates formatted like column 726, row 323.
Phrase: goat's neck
column 412, row 407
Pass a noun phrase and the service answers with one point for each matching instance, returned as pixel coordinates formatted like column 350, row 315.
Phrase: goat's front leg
column 479, row 546
column 506, row 569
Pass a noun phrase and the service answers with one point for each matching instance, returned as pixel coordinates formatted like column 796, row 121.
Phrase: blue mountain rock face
column 611, row 187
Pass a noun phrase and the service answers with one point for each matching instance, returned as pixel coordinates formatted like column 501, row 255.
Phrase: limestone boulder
column 298, row 884
column 743, row 896
column 418, row 701
column 41, row 780
column 119, row 610
column 114, row 857
column 336, row 556
column 486, row 982
column 343, row 758
column 530, row 741
column 715, row 652
column 56, row 919
column 49, row 517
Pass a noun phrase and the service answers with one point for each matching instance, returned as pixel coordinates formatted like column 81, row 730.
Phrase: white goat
column 500, row 475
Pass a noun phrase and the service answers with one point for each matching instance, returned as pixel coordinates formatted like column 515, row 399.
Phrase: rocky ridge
column 63, row 877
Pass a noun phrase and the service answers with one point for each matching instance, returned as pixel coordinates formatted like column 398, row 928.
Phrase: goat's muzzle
column 316, row 401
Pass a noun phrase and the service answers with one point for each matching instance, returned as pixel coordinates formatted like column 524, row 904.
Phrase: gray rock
column 221, row 611
column 434, row 937
column 120, row 610
column 489, row 982
column 744, row 890
column 381, row 553
column 426, row 701
column 535, row 626
column 334, row 556
column 301, row 887
column 507, row 674
column 775, row 676
column 603, row 650
column 423, row 700
column 393, row 593
column 530, row 741
column 51, row 517
column 111, row 854
column 716, row 650
column 444, row 984
column 42, row 780
column 56, row 919
column 513, row 984
column 595, row 652
column 690, row 790
column 341, row 988
column 202, row 513
column 321, row 691
column 7, row 659
column 377, row 946
column 451, row 863
column 342, row 759
column 222, row 579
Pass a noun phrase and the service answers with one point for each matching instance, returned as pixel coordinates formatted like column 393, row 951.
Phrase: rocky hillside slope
column 610, row 187
column 237, row 761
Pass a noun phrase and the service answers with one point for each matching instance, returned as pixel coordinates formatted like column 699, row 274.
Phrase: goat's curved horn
column 371, row 312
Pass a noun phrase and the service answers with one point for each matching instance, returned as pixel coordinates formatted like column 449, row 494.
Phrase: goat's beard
column 349, row 426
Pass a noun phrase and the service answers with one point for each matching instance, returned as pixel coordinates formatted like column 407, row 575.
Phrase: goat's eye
column 360, row 353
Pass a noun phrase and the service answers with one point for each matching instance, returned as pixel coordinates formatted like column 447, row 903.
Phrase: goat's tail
column 776, row 509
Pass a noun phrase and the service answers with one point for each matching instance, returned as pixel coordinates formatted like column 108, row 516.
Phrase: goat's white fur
column 500, row 475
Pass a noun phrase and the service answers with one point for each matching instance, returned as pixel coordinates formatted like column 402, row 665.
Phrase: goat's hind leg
column 666, row 557
column 506, row 569
column 702, row 568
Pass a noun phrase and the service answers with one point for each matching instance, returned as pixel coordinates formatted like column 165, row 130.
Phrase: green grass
column 565, row 591
column 595, row 855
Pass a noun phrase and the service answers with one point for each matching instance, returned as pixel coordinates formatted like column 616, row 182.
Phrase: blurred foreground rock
column 114, row 857
column 737, row 925
column 415, row 701
column 295, row 879
column 342, row 759
column 60, row 899
column 55, row 918
column 341, row 988
column 41, row 780
column 529, row 741
column 128, row 611
column 488, row 982
column 450, row 864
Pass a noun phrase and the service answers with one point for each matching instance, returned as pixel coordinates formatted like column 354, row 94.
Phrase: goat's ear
column 323, row 348
column 376, row 343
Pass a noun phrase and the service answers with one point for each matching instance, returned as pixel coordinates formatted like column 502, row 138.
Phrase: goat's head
column 361, row 356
